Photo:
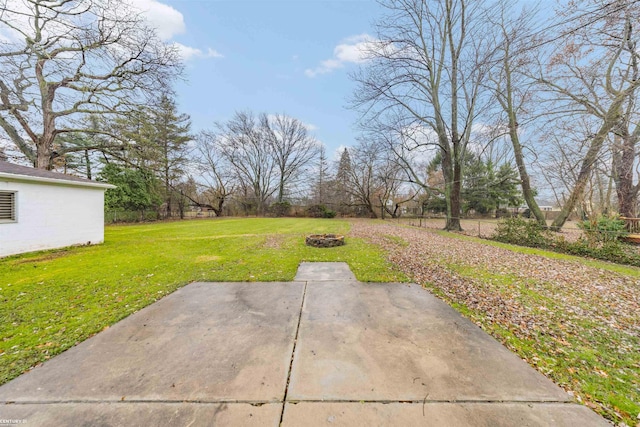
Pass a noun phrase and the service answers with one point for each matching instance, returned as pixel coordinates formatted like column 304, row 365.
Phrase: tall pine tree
column 342, row 184
column 171, row 138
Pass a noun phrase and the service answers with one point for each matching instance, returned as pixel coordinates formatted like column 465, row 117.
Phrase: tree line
column 447, row 77
column 465, row 106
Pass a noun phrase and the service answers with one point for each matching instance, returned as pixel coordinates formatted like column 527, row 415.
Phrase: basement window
column 7, row 206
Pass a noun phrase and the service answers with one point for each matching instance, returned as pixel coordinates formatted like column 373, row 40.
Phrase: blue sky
column 282, row 56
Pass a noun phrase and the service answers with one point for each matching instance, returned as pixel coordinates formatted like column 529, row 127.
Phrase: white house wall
column 52, row 216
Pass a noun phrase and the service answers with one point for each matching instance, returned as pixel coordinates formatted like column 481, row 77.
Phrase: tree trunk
column 43, row 157
column 453, row 221
column 626, row 191
column 507, row 105
column 372, row 212
column 527, row 191
column 218, row 210
column 281, row 191
column 451, row 192
column 610, row 119
column 87, row 160
column 447, row 175
column 167, row 183
column 44, row 149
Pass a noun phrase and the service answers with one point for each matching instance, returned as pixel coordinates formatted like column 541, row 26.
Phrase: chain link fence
column 478, row 227
column 112, row 217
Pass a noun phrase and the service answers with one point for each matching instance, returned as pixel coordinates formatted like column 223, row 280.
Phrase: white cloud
column 188, row 52
column 167, row 21
column 353, row 49
column 310, row 127
column 212, row 53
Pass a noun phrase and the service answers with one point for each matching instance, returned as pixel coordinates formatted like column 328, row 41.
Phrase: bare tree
column 62, row 60
column 566, row 142
column 593, row 71
column 292, row 147
column 247, row 148
column 376, row 179
column 217, row 183
column 514, row 91
column 363, row 175
column 410, row 158
column 426, row 72
column 624, row 149
column 392, row 190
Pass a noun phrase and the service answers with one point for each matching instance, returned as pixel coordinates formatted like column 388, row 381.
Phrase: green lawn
column 49, row 301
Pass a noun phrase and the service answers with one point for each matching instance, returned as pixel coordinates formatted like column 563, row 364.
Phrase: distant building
column 45, row 210
column 549, row 208
column 544, row 205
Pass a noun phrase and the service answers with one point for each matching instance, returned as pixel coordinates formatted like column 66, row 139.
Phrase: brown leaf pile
column 565, row 302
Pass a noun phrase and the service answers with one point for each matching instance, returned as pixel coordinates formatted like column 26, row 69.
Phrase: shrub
column 320, row 211
column 523, row 232
column 330, row 213
column 613, row 251
column 596, row 244
column 280, row 208
column 603, row 229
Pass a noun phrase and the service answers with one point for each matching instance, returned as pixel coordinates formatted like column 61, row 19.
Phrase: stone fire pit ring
column 325, row 240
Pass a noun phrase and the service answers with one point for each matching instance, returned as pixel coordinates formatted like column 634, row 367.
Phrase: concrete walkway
column 322, row 350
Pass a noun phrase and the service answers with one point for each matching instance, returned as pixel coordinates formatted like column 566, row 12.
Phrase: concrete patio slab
column 378, row 341
column 323, row 351
column 439, row 414
column 143, row 414
column 205, row 342
column 322, row 271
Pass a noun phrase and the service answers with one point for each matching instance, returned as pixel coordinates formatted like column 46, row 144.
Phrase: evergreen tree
column 486, row 189
column 171, row 137
column 342, row 183
column 156, row 138
column 323, row 177
column 136, row 188
column 137, row 134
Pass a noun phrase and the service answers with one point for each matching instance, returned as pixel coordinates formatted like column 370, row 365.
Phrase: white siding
column 52, row 216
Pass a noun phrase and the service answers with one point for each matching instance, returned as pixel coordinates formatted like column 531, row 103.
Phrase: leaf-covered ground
column 485, row 227
column 576, row 322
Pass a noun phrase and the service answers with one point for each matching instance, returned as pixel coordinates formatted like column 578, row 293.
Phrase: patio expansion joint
column 277, row 401
column 434, row 401
column 293, row 351
column 137, row 401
